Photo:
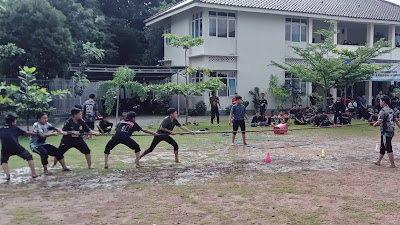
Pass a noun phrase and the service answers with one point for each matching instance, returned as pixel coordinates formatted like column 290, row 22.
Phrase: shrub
column 200, row 110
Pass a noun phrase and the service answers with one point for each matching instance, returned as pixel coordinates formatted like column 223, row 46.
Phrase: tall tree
column 327, row 67
column 40, row 29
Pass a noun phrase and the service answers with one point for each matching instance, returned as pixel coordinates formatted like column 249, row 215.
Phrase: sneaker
column 212, row 124
column 219, row 125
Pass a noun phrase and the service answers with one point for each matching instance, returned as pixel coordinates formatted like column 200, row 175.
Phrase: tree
column 29, row 98
column 37, row 27
column 90, row 52
column 256, row 97
column 111, row 90
column 278, row 91
column 188, row 90
column 327, row 67
column 185, row 42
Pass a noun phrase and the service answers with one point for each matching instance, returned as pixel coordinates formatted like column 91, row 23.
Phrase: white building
column 242, row 37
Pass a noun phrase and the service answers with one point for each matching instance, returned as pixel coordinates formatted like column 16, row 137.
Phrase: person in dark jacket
column 339, row 110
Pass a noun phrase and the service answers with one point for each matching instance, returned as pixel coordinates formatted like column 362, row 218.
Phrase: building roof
column 363, row 9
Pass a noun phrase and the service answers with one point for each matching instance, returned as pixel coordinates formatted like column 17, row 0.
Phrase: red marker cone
column 268, row 159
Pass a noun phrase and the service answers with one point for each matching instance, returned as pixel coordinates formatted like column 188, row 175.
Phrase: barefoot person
column 75, row 128
column 386, row 120
column 125, row 129
column 10, row 146
column 39, row 145
column 165, row 131
column 238, row 114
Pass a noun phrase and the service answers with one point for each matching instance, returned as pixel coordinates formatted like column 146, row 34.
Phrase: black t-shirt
column 339, row 107
column 69, row 125
column 299, row 116
column 104, row 125
column 300, row 111
column 317, row 120
column 214, row 101
column 257, row 119
column 312, row 100
column 325, row 118
column 293, row 111
column 126, row 128
column 9, row 136
column 262, row 103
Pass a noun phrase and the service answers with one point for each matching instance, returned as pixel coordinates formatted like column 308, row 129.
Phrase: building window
column 222, row 24
column 197, row 25
column 296, row 30
column 229, row 79
column 397, row 40
column 167, row 30
column 295, row 84
column 198, row 77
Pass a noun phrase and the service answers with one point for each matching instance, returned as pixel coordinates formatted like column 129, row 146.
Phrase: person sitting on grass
column 386, row 121
column 326, row 122
column 125, row 130
column 299, row 120
column 104, row 125
column 374, row 118
column 273, row 119
column 237, row 116
column 308, row 116
column 317, row 121
column 346, row 118
column 75, row 128
column 39, row 145
column 293, row 112
column 165, row 131
column 282, row 117
column 285, row 116
column 257, row 120
column 10, row 146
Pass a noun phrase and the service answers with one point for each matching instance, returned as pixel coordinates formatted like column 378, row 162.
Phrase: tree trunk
column 187, row 109
column 117, row 109
column 324, row 99
column 27, row 123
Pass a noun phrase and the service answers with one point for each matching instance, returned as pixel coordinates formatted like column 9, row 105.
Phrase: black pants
column 262, row 113
column 346, row 121
column 79, row 144
column 90, row 125
column 127, row 141
column 386, row 147
column 214, row 113
column 338, row 115
column 44, row 151
column 161, row 138
column 18, row 150
column 237, row 124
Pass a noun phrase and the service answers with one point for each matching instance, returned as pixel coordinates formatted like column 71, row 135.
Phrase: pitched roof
column 363, row 9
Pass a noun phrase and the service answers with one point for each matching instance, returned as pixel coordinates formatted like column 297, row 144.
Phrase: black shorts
column 386, row 147
column 79, row 144
column 18, row 150
column 237, row 124
column 44, row 151
column 90, row 125
column 115, row 140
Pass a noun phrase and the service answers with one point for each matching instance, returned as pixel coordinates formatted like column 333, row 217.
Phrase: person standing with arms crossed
column 262, row 105
column 215, row 107
column 238, row 114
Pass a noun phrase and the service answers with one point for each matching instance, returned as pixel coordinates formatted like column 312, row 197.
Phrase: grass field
column 214, row 183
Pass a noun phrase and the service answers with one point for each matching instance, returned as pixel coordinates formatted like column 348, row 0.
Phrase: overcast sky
column 395, row 1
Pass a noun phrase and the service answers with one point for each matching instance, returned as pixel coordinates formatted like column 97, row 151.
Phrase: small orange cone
column 268, row 159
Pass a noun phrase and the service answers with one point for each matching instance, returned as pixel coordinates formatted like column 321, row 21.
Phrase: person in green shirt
column 165, row 131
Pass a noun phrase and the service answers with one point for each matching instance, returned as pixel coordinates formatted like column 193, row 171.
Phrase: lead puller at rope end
column 165, row 131
column 386, row 120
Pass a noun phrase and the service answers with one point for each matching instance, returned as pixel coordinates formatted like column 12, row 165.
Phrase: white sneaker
column 212, row 124
column 219, row 125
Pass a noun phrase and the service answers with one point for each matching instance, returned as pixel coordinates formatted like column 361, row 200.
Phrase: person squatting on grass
column 165, row 130
column 125, row 130
column 386, row 120
column 39, row 145
column 238, row 114
column 10, row 145
column 75, row 128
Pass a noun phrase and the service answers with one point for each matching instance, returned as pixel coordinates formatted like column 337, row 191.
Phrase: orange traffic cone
column 268, row 159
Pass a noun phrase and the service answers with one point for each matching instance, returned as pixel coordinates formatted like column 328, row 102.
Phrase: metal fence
column 62, row 106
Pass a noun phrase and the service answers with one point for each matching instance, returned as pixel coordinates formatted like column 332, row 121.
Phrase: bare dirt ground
column 219, row 184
